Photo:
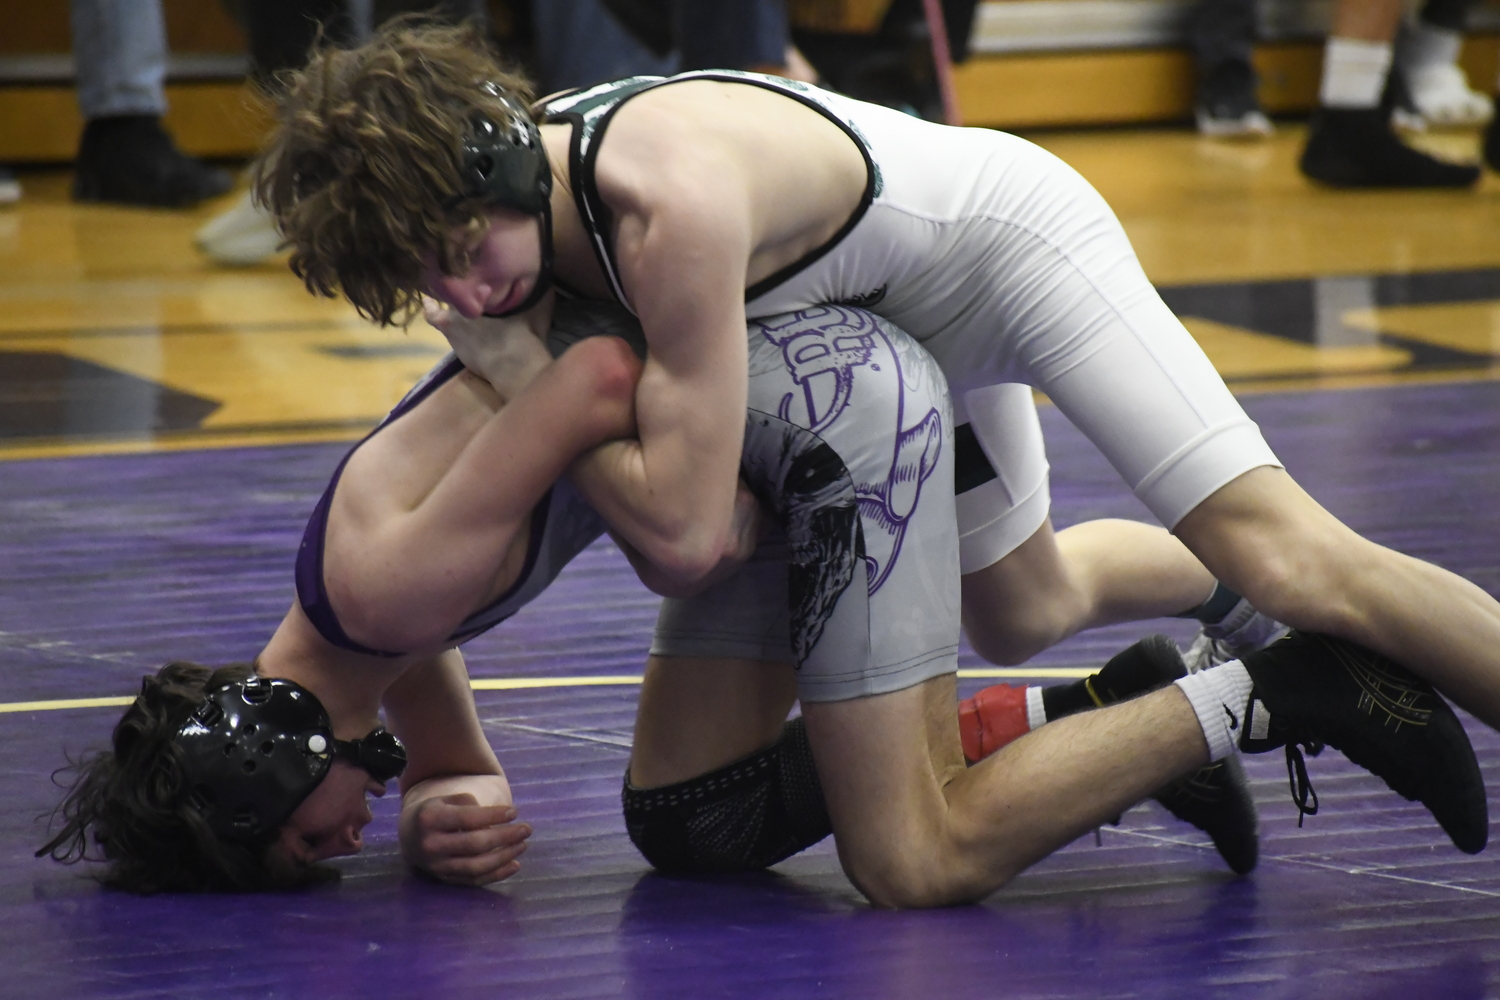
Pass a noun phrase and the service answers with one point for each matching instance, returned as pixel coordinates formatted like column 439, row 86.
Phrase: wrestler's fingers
column 474, row 843
column 482, row 869
column 435, row 312
column 450, row 815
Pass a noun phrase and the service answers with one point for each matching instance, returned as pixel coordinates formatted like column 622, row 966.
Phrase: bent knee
column 1013, row 631
column 919, row 880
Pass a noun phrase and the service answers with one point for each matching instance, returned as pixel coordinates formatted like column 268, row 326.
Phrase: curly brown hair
column 131, row 801
column 362, row 169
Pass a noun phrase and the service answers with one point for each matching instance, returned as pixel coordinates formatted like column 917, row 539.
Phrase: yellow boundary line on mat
column 525, row 683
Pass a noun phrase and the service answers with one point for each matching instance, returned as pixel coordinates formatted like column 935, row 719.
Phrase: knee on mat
column 918, row 880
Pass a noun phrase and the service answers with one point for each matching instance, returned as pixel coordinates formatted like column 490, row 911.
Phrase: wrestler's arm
column 457, row 820
column 416, row 545
column 682, row 243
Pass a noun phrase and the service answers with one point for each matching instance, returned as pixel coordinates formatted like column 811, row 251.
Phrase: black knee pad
column 743, row 817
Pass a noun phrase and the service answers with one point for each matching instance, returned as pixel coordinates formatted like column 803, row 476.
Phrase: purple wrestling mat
column 111, row 565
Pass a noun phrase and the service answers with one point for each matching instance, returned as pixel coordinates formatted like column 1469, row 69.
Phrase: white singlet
column 1013, row 272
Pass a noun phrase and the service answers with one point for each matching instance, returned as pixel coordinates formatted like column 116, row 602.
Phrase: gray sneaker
column 1244, row 630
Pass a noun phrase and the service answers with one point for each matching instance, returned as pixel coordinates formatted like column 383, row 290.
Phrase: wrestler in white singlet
column 1009, row 268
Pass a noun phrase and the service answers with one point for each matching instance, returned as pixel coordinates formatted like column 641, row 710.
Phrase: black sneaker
column 1355, row 147
column 1216, row 797
column 1314, row 689
column 131, row 160
column 1226, row 106
column 1491, row 144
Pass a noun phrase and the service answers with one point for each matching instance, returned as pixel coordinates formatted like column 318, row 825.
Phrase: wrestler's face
column 504, row 265
column 328, row 822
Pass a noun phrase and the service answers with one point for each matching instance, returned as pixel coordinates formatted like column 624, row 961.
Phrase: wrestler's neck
column 350, row 685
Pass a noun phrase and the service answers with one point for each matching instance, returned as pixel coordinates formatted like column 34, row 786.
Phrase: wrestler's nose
column 466, row 295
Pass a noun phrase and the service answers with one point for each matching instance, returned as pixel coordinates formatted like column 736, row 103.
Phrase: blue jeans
column 120, row 48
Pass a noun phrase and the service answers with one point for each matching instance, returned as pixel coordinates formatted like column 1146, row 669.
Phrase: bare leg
column 916, row 828
column 1366, row 20
column 1266, row 538
column 697, row 715
column 1057, row 584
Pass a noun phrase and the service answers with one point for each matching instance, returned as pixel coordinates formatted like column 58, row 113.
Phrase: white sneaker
column 1442, row 96
column 10, row 188
column 1242, row 631
column 1252, row 124
column 242, row 235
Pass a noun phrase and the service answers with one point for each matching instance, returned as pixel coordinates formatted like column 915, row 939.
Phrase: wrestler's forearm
column 407, row 577
column 683, row 262
column 677, row 552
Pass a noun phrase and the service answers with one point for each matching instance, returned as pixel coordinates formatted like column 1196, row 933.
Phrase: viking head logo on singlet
column 829, row 351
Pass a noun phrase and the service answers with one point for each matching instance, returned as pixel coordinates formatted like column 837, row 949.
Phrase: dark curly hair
column 363, row 168
column 131, row 802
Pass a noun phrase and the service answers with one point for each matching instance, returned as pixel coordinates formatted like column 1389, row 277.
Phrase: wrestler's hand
column 456, row 840
column 507, row 353
column 747, row 528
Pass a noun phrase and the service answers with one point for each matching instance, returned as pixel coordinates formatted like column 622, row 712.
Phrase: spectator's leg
column 125, row 155
column 1350, row 142
column 1221, row 34
column 733, row 34
column 282, row 32
column 1427, row 60
column 579, row 43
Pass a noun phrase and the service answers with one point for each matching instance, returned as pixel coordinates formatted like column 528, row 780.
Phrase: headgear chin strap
column 504, row 163
column 256, row 749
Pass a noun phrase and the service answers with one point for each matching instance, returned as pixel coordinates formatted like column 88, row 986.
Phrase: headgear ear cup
column 504, row 163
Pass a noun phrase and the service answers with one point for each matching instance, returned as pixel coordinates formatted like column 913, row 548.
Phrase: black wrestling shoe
column 1216, row 797
column 1314, row 689
column 1356, row 147
column 1152, row 663
column 131, row 160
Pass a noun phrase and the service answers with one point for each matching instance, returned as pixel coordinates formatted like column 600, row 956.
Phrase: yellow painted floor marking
column 1473, row 327
column 49, row 706
column 1238, row 353
column 525, row 683
column 521, row 683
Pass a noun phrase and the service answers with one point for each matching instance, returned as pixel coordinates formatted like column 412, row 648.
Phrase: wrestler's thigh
column 697, row 714
column 883, row 761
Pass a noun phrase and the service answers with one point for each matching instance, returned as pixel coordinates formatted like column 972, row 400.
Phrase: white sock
column 1036, row 712
column 1354, row 72
column 1219, row 696
column 1426, row 45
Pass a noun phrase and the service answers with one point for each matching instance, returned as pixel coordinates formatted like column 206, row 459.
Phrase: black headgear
column 254, row 750
column 504, row 163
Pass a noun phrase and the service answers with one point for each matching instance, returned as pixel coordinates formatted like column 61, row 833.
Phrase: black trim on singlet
column 591, row 205
column 971, row 467
column 312, row 593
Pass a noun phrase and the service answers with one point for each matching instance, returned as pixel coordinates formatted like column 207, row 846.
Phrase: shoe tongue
column 1257, row 720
